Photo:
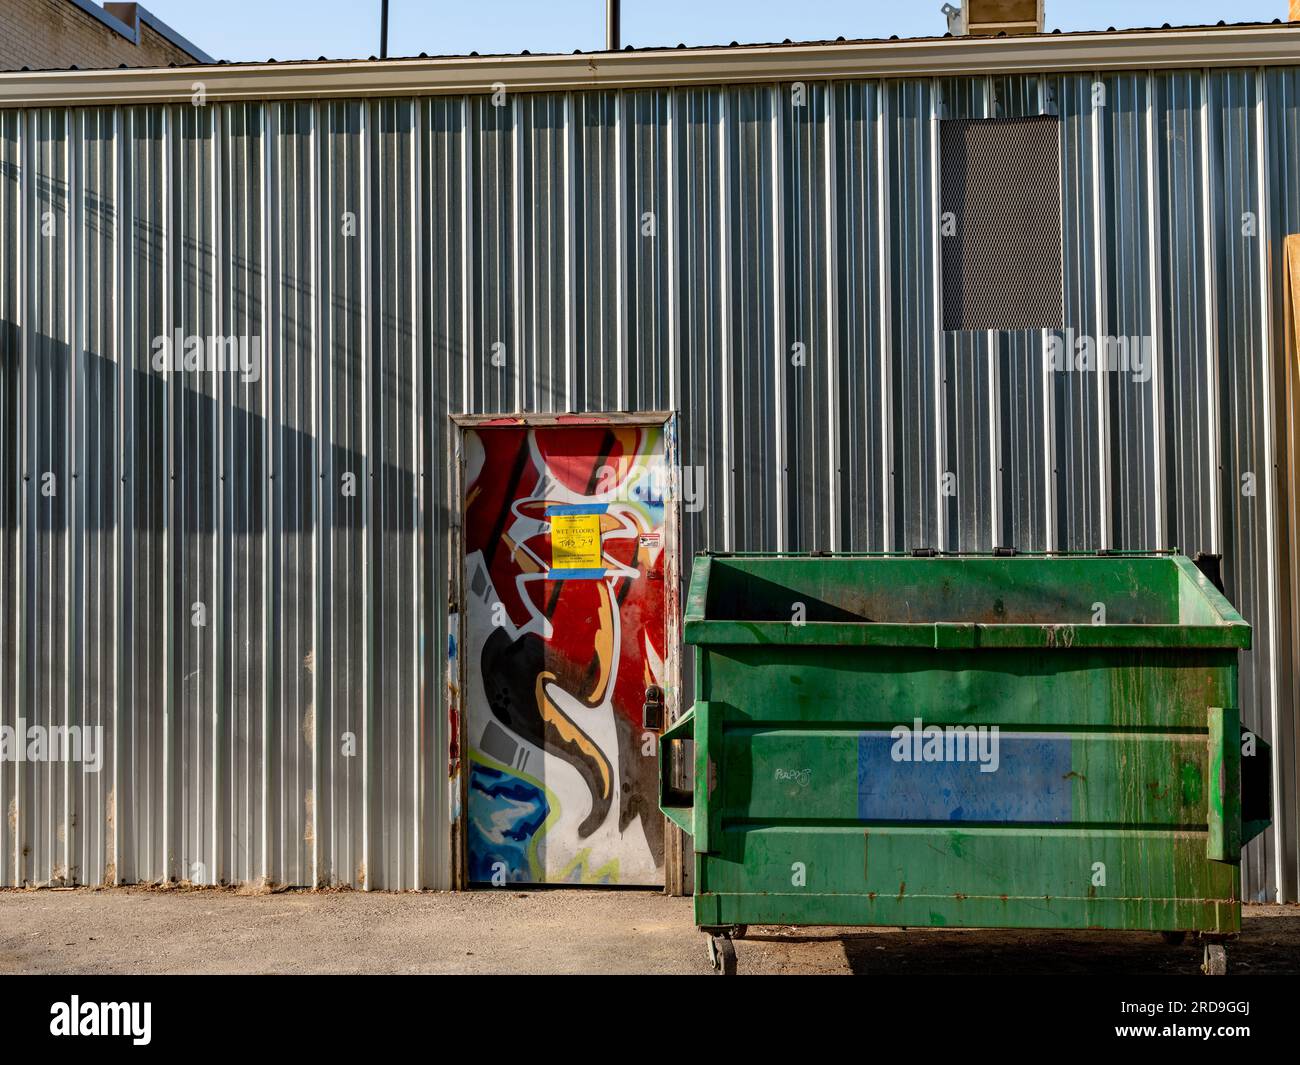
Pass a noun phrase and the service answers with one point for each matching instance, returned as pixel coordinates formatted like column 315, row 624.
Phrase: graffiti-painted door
column 564, row 630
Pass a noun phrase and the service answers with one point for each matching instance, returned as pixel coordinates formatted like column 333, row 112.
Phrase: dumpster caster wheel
column 740, row 931
column 722, row 955
column 1216, row 960
column 1174, row 939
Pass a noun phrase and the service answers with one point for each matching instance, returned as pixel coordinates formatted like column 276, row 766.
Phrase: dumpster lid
column 1056, row 601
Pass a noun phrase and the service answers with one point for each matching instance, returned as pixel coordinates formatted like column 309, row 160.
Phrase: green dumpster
column 958, row 741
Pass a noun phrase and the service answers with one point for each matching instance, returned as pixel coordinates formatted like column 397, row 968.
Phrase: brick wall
column 57, row 34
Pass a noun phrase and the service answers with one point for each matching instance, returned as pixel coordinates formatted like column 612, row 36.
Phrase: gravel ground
column 141, row 930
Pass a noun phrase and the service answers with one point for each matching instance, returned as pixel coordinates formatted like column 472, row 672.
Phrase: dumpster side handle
column 690, row 810
column 1224, row 843
column 674, row 802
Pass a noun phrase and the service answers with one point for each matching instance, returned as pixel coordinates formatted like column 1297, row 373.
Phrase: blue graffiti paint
column 1031, row 783
column 505, row 813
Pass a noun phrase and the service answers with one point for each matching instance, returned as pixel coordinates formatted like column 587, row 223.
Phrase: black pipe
column 383, row 30
column 611, row 25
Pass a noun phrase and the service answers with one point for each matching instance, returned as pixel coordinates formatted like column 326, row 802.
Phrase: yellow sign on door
column 575, row 542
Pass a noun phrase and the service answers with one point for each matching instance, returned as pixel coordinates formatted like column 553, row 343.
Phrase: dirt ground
column 138, row 930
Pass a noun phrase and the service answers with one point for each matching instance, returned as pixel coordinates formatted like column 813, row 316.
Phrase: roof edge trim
column 1270, row 45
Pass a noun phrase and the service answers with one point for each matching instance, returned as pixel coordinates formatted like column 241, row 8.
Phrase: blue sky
column 305, row 29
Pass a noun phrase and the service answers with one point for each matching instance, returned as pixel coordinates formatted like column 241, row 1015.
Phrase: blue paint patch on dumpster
column 992, row 777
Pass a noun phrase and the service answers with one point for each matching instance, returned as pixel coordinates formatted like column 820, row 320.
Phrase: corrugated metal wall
column 634, row 250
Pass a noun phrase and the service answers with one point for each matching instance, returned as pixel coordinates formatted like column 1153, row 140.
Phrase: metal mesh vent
column 1001, row 181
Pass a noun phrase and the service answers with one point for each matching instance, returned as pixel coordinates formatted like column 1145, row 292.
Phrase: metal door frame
column 675, row 841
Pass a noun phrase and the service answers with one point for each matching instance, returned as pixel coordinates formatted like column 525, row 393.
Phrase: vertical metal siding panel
column 147, row 447
column 252, row 463
column 34, row 370
column 1048, row 104
column 1022, row 455
column 989, row 515
column 1211, row 183
column 169, row 842
column 828, row 276
column 96, row 638
column 279, row 235
column 1101, row 246
column 21, row 815
column 913, row 370
column 449, row 213
column 808, row 372
column 260, row 488
column 65, row 264
column 597, row 381
column 615, row 218
column 1284, row 158
column 18, row 814
column 1189, row 475
column 1077, row 444
column 123, row 811
column 11, row 473
column 889, row 479
column 370, row 411
column 97, row 469
column 180, row 638
column 50, row 345
column 648, row 225
column 232, row 424
column 415, row 435
column 703, row 440
column 395, row 478
column 1266, row 413
column 755, row 522
column 326, row 737
column 944, row 484
column 769, row 209
column 119, row 492
column 442, row 148
column 314, row 459
column 346, row 486
column 212, row 756
column 1155, row 268
column 389, row 783
column 228, row 596
column 73, row 649
column 570, row 279
column 269, row 528
column 672, row 240
column 196, row 540
column 727, row 349
column 208, row 228
column 379, row 274
column 491, row 362
column 1131, row 442
column 543, row 289
column 969, row 385
column 859, row 297
column 293, row 342
column 1245, row 474
column 969, row 388
column 521, row 362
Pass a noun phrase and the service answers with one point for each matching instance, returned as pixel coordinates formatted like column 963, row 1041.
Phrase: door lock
column 652, row 710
